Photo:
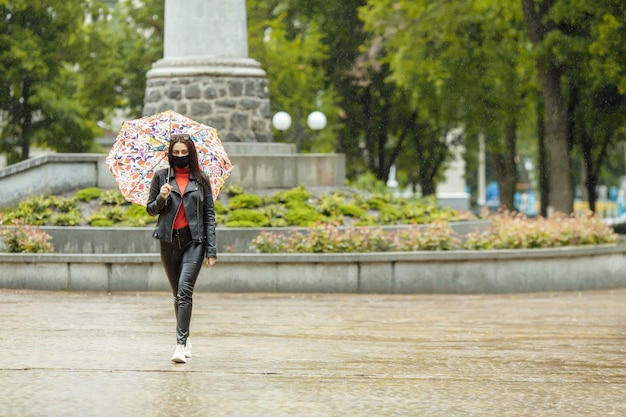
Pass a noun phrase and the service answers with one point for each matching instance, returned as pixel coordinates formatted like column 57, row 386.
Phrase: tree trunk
column 592, row 167
column 369, row 132
column 586, row 146
column 544, row 184
column 428, row 172
column 506, row 168
column 27, row 121
column 558, row 158
column 428, row 186
column 559, row 166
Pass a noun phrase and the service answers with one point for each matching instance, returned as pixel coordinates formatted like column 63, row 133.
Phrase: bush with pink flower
column 508, row 231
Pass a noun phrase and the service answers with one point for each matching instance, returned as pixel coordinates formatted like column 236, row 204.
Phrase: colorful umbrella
column 140, row 150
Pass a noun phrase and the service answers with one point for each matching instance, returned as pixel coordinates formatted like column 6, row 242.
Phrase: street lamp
column 315, row 120
column 281, row 120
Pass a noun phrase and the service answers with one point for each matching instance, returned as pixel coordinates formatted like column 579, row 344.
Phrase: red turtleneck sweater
column 182, row 179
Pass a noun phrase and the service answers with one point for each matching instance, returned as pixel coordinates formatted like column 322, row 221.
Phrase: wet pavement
column 90, row 354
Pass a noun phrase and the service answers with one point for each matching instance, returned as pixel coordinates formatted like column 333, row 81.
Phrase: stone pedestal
column 229, row 95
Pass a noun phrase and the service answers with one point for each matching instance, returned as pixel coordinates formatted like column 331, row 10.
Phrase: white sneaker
column 179, row 354
column 188, row 349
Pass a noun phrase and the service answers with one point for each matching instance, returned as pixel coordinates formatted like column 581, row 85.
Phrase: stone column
column 206, row 73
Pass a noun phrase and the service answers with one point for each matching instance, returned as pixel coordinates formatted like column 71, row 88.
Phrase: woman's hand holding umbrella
column 165, row 191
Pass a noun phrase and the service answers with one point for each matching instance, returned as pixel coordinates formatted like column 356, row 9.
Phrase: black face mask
column 181, row 161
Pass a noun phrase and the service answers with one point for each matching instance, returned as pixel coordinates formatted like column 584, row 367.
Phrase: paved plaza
column 256, row 354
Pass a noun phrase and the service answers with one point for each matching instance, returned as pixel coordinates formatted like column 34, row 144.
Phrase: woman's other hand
column 210, row 261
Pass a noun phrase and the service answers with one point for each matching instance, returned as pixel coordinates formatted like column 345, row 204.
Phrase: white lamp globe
column 281, row 120
column 316, row 120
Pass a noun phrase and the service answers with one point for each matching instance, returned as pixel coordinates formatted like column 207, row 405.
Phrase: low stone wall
column 52, row 174
column 86, row 239
column 58, row 173
column 462, row 272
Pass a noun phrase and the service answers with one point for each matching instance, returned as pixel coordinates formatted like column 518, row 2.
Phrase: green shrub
column 376, row 203
column 107, row 216
column 136, row 211
column 368, row 182
column 352, row 210
column 299, row 202
column 335, row 206
column 136, row 222
column 102, row 223
column 33, row 211
column 245, row 201
column 302, row 215
column 72, row 218
column 219, row 208
column 233, row 190
column 367, row 220
column 64, row 205
column 242, row 223
column 389, row 215
column 88, row 194
column 278, row 222
column 112, row 197
column 416, row 213
column 136, row 216
column 298, row 194
column 255, row 218
column 274, row 211
column 328, row 205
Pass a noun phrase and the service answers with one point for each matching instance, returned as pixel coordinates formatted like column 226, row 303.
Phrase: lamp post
column 315, row 120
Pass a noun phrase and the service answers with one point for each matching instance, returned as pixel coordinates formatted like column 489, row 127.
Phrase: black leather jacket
column 199, row 209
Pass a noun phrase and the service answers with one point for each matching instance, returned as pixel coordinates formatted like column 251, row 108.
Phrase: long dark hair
column 194, row 165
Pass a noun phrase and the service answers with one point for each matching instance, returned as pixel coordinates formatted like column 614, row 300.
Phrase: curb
column 457, row 272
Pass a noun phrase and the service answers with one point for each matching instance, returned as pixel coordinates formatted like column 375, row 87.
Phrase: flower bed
column 343, row 220
column 508, row 231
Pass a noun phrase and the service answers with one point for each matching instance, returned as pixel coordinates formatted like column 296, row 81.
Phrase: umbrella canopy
column 140, row 150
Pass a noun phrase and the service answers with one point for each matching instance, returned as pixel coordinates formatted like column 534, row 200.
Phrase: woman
column 181, row 197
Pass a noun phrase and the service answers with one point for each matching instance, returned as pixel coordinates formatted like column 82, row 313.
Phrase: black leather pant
column 182, row 259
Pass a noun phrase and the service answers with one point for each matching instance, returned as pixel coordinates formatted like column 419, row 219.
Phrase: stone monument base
column 260, row 166
column 230, row 95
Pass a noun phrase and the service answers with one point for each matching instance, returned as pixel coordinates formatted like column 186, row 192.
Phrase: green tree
column 360, row 111
column 134, row 37
column 40, row 86
column 596, row 109
column 608, row 43
column 578, row 48
column 66, row 65
column 462, row 63
column 293, row 53
column 497, row 87
column 363, row 108
column 551, row 66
